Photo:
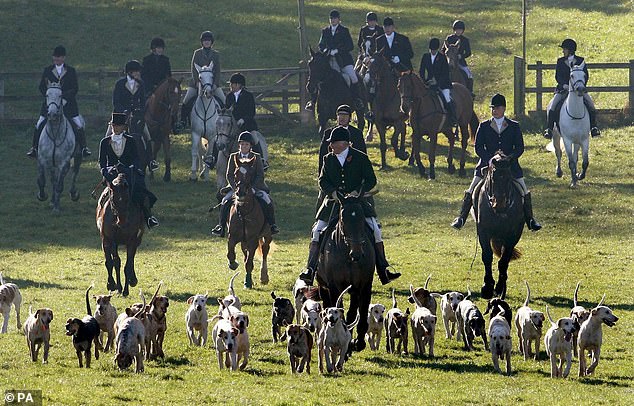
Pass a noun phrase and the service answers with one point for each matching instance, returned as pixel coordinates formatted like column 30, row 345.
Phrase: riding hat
column 238, row 78
column 339, row 134
column 458, row 24
column 157, row 42
column 387, row 21
column 434, row 44
column 498, row 100
column 207, row 35
column 59, row 51
column 245, row 136
column 569, row 44
column 334, row 14
column 345, row 109
column 371, row 16
column 119, row 119
column 132, row 66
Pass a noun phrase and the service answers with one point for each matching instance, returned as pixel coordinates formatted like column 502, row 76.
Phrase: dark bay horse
column 160, row 108
column 500, row 222
column 120, row 222
column 331, row 88
column 428, row 117
column 348, row 259
column 247, row 224
column 455, row 73
column 387, row 106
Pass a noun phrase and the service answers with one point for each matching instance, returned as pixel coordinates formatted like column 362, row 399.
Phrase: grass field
column 587, row 233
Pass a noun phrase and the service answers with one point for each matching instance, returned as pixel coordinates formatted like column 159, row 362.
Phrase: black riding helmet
column 133, row 66
column 59, row 51
column 371, row 16
column 157, row 42
column 458, row 25
column 245, row 136
column 207, row 35
column 434, row 44
column 569, row 44
column 335, row 14
column 238, row 78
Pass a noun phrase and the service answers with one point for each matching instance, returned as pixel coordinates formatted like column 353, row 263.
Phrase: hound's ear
column 51, row 315
column 190, row 300
column 508, row 337
column 273, row 295
column 129, row 312
column 407, row 312
column 221, row 303
column 342, row 313
column 322, row 314
column 94, row 296
column 37, row 313
column 543, row 317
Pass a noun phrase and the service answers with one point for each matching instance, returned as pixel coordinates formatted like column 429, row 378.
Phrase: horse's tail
column 498, row 248
column 474, row 122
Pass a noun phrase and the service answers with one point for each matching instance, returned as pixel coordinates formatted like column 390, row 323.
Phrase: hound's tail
column 528, row 294
column 92, row 285
column 340, row 298
column 1, row 280
column 413, row 296
column 602, row 300
column 574, row 297
column 393, row 300
column 427, row 281
column 231, row 291
column 549, row 317
column 354, row 323
column 498, row 250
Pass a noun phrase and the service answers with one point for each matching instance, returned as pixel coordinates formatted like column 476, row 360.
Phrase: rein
column 206, row 107
column 227, row 151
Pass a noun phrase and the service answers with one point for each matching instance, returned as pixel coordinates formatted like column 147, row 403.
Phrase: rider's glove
column 566, row 87
column 396, row 59
column 334, row 52
column 240, row 122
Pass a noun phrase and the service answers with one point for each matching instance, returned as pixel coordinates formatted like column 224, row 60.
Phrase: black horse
column 500, row 222
column 348, row 259
column 332, row 90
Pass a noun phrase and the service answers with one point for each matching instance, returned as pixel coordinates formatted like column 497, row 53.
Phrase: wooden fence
column 280, row 93
column 539, row 90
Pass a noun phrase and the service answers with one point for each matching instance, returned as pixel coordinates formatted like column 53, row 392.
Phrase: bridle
column 490, row 189
column 206, row 106
column 230, row 134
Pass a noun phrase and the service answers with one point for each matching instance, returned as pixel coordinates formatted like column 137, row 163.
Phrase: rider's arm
column 326, row 184
column 231, row 170
column 480, row 145
column 518, row 142
column 560, row 74
column 369, row 178
column 103, row 158
column 193, row 68
column 346, row 45
column 465, row 46
column 72, row 85
column 421, row 71
column 361, row 41
column 169, row 66
column 216, row 68
column 408, row 53
column 258, row 179
column 42, row 85
column 323, row 43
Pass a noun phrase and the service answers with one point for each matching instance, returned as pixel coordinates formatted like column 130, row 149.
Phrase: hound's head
column 198, row 302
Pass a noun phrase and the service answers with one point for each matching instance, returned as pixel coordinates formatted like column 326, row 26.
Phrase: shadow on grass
column 169, row 362
column 261, row 372
column 560, row 301
column 28, row 283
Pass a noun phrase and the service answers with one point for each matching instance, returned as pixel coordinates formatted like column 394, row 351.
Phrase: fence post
column 519, row 86
column 631, row 92
column 538, row 86
column 101, row 107
column 2, row 97
column 306, row 117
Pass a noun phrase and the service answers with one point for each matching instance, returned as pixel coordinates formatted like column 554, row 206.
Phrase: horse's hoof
column 384, row 168
column 74, row 196
column 248, row 282
column 358, row 344
column 462, row 173
column 132, row 280
column 559, row 173
column 193, row 177
column 233, row 265
column 451, row 169
column 167, row 177
column 581, row 176
column 432, row 174
column 500, row 289
column 125, row 292
column 42, row 197
column 56, row 210
column 486, row 292
column 111, row 285
column 264, row 279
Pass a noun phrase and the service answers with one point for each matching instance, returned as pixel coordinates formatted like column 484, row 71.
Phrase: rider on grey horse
column 336, row 41
column 464, row 49
column 261, row 190
column 434, row 70
column 66, row 76
column 367, row 47
column 345, row 170
column 498, row 134
column 204, row 56
column 562, row 75
column 118, row 153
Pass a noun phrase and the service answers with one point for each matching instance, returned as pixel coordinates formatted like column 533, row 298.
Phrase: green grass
column 587, row 234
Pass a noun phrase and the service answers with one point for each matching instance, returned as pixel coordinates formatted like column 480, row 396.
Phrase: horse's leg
column 41, row 183
column 193, row 176
column 433, row 141
column 265, row 246
column 107, row 247
column 399, row 126
column 557, row 147
column 130, row 274
column 350, row 316
column 464, row 141
column 74, row 194
column 156, row 146
column 487, row 259
column 416, row 145
column 572, row 162
column 362, row 327
column 503, row 266
column 249, row 252
column 380, row 127
column 451, row 168
column 117, row 265
column 231, row 253
column 585, row 146
column 167, row 150
column 59, row 186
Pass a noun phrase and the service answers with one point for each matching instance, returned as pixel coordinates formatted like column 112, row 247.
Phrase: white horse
column 203, row 119
column 573, row 127
column 55, row 150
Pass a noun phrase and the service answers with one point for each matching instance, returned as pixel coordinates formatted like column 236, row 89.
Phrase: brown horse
column 455, row 73
column 387, row 106
column 247, row 224
column 120, row 222
column 428, row 117
column 160, row 109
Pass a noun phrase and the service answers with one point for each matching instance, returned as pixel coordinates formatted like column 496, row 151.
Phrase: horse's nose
column 355, row 256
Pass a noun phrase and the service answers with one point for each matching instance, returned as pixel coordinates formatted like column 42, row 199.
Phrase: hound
column 423, row 327
column 427, row 298
column 375, row 325
column 106, row 315
column 281, row 316
column 500, row 341
column 299, row 347
column 470, row 323
column 529, row 327
column 9, row 294
column 396, row 327
column 240, row 321
column 299, row 293
column 334, row 337
column 591, row 336
column 196, row 319
column 225, row 340
column 498, row 305
column 558, row 342
column 448, row 306
column 37, row 332
column 84, row 332
column 311, row 315
column 231, row 299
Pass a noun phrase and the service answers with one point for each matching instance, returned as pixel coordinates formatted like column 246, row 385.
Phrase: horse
column 160, row 108
column 573, row 127
column 227, row 131
column 428, row 117
column 120, row 222
column 387, row 107
column 348, row 259
column 456, row 74
column 55, row 150
column 203, row 118
column 332, row 90
column 500, row 221
column 247, row 224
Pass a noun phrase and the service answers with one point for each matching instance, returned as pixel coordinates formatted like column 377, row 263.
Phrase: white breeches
column 260, row 194
column 519, row 183
column 467, row 71
column 348, row 73
column 321, row 225
column 446, row 94
column 192, row 92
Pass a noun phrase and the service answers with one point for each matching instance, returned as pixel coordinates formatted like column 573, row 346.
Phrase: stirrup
column 533, row 225
column 309, row 106
column 32, row 153
column 595, row 132
column 85, row 152
column 152, row 222
column 218, row 231
column 548, row 134
column 274, row 229
column 153, row 165
column 457, row 223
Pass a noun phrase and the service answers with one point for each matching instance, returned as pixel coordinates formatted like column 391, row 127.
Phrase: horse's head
column 578, row 79
column 167, row 96
column 318, row 69
column 120, row 198
column 411, row 88
column 173, row 94
column 378, row 67
column 226, row 129
column 499, row 183
column 352, row 224
column 452, row 55
column 54, row 104
column 244, row 174
column 206, row 80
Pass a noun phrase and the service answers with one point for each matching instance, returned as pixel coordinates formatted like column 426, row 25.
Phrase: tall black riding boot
column 467, row 202
column 35, row 141
column 269, row 215
column 355, row 89
column 594, row 130
column 186, row 110
column 385, row 276
column 80, row 138
column 531, row 223
column 550, row 124
column 223, row 216
column 310, row 104
column 308, row 275
column 451, row 109
column 470, row 85
column 146, row 207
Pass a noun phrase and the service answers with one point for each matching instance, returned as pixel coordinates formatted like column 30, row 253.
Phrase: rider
column 562, row 75
column 336, row 41
column 117, row 152
column 498, row 134
column 464, row 50
column 367, row 47
column 245, row 142
column 396, row 47
column 434, row 69
column 345, row 170
column 66, row 76
column 156, row 68
column 204, row 56
column 128, row 97
column 344, row 113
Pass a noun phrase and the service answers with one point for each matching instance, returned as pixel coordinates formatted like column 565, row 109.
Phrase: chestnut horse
column 456, row 74
column 160, row 109
column 428, row 117
column 387, row 107
column 247, row 224
column 120, row 222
